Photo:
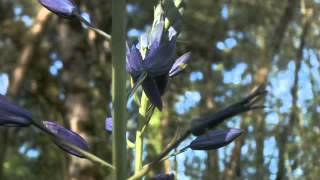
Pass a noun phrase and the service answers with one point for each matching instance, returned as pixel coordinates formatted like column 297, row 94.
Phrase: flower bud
column 163, row 177
column 68, row 136
column 215, row 139
column 108, row 124
column 63, row 8
column 13, row 115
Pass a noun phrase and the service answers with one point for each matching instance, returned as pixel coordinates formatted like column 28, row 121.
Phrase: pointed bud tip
column 233, row 133
column 215, row 139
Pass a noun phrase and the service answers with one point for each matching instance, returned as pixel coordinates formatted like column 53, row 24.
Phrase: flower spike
column 155, row 54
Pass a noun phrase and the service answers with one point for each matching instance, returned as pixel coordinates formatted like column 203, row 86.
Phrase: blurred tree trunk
column 3, row 150
column 233, row 167
column 77, row 115
column 212, row 162
column 294, row 115
column 32, row 38
column 77, row 101
column 258, row 117
column 271, row 48
column 212, row 166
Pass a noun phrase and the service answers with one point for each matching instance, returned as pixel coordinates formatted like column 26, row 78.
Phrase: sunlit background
column 62, row 72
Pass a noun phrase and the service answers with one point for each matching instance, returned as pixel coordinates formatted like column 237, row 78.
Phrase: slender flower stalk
column 145, row 169
column 139, row 135
column 90, row 26
column 119, row 145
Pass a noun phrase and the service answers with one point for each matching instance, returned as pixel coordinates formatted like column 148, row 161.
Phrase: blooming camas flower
column 68, row 136
column 215, row 139
column 156, row 56
column 63, row 8
column 12, row 114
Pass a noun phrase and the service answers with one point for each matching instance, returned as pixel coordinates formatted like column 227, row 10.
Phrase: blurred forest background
column 62, row 72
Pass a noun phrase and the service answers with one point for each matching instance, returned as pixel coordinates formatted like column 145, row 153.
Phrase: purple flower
column 156, row 55
column 67, row 136
column 215, row 139
column 13, row 115
column 63, row 8
column 108, row 124
column 163, row 177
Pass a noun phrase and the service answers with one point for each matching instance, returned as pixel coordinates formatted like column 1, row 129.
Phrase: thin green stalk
column 145, row 169
column 175, row 153
column 139, row 150
column 139, row 136
column 90, row 26
column 136, row 85
column 102, row 33
column 149, row 114
column 119, row 145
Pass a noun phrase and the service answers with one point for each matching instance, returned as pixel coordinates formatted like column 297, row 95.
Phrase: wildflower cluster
column 155, row 54
column 151, row 63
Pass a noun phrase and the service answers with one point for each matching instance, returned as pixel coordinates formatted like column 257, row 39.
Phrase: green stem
column 165, row 152
column 102, row 33
column 175, row 153
column 147, row 118
column 139, row 136
column 139, row 149
column 136, row 85
column 90, row 26
column 119, row 145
